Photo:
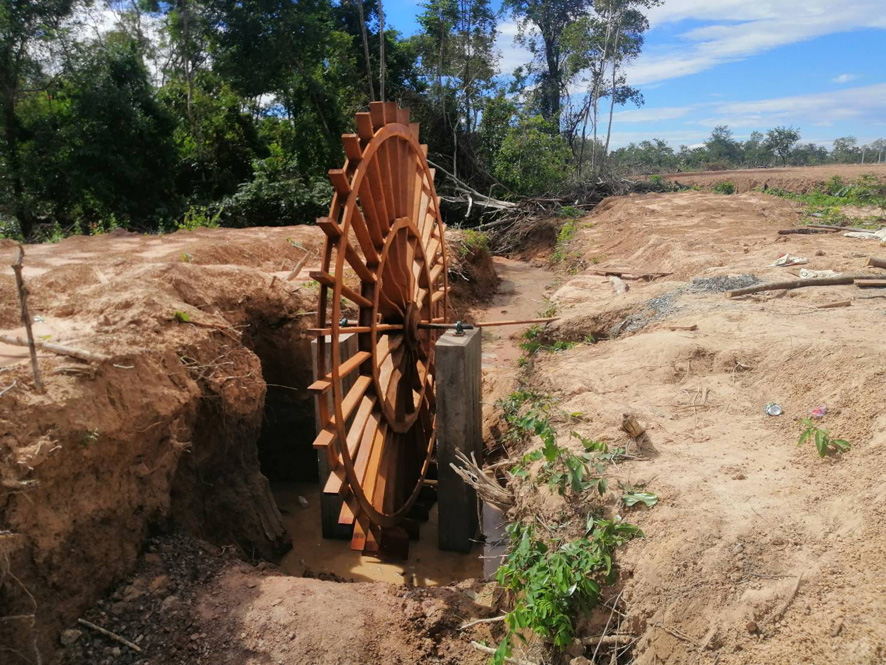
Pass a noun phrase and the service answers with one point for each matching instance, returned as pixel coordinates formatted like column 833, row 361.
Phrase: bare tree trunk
column 359, row 4
column 597, row 81
column 614, row 80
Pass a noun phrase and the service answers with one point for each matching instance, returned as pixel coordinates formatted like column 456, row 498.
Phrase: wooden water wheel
column 385, row 259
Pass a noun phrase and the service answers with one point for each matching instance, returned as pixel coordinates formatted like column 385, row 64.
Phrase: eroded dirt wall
column 166, row 429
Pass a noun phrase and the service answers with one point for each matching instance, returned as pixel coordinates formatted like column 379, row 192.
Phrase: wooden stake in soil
column 26, row 317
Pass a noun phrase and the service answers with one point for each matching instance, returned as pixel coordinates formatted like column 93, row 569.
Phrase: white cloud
column 512, row 54
column 865, row 105
column 653, row 114
column 867, row 102
column 742, row 28
column 844, row 78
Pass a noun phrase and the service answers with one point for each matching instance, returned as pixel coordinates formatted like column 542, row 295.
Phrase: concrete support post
column 330, row 505
column 459, row 428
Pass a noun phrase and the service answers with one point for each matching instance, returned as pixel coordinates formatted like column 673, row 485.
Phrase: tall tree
column 541, row 27
column 781, row 140
column 721, row 146
column 457, row 50
column 23, row 25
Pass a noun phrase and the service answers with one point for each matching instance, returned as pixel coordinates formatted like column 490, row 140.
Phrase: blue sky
column 819, row 65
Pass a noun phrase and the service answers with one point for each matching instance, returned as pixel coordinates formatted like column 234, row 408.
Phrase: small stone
column 303, row 502
column 752, row 627
column 116, row 652
column 68, row 637
column 159, row 583
column 168, row 603
column 836, row 627
column 580, row 660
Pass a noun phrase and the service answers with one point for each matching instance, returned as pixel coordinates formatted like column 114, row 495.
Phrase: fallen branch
column 26, row 317
column 790, row 599
column 482, row 199
column 832, row 305
column 487, row 487
column 627, row 273
column 56, row 348
column 9, row 387
column 490, row 650
column 876, row 262
column 680, row 635
column 479, row 621
column 870, row 283
column 616, row 639
column 108, row 633
column 796, row 284
column 806, row 231
column 298, row 266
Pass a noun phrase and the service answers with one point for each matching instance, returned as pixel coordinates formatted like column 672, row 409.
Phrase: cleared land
column 796, row 179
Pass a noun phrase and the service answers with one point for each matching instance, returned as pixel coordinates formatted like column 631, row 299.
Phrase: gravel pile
column 664, row 305
column 721, row 284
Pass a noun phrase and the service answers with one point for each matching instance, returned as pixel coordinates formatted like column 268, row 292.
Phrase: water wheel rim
column 425, row 411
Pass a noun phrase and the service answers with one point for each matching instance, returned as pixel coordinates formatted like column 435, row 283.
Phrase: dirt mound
column 472, row 276
column 165, row 429
column 190, row 602
column 758, row 551
column 797, row 179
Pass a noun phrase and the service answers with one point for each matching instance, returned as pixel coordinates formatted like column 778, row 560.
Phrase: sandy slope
column 744, row 512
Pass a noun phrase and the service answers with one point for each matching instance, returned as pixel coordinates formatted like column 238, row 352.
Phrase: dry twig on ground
column 79, row 354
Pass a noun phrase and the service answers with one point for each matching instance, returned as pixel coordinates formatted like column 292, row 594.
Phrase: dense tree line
column 151, row 114
column 780, row 146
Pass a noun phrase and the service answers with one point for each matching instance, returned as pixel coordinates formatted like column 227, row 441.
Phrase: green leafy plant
column 823, row 441
column 552, row 580
column 474, row 242
column 533, row 342
column 724, row 188
column 182, row 317
column 564, row 239
column 200, row 217
column 634, row 497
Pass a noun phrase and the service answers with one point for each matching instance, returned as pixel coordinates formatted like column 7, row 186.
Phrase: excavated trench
column 289, row 461
column 201, row 424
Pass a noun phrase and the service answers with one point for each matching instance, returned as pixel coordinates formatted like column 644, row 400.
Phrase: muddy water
column 427, row 566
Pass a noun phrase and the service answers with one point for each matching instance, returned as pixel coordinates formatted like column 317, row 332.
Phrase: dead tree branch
column 26, row 318
column 79, row 354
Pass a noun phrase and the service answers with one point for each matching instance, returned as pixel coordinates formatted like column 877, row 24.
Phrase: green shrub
column 724, row 188
column 200, row 217
column 553, row 580
column 533, row 158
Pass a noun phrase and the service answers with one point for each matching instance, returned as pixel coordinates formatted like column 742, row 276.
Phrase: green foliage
column 474, row 242
column 533, row 342
column 823, row 441
column 724, row 188
column 199, row 217
column 632, row 495
column 564, row 239
column 825, row 204
column 182, row 317
column 781, row 140
column 533, row 158
column 552, row 580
